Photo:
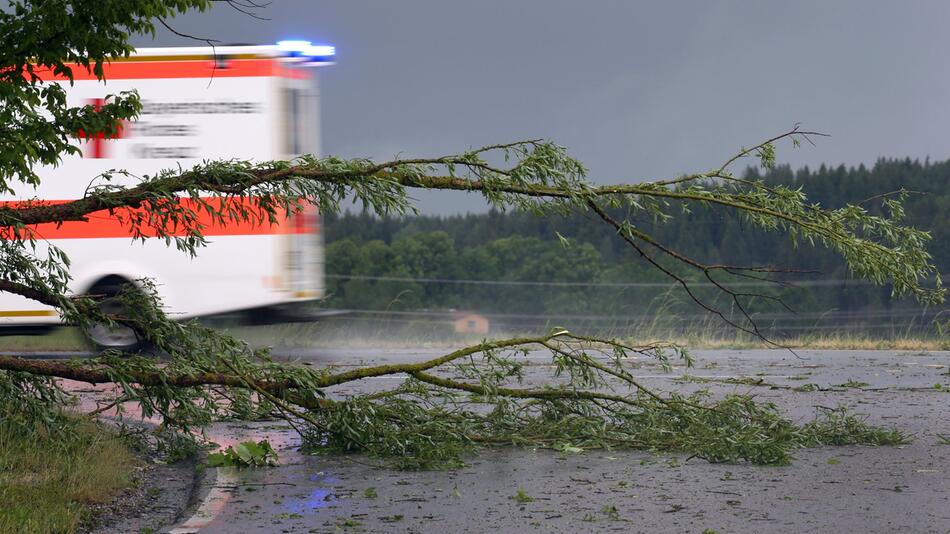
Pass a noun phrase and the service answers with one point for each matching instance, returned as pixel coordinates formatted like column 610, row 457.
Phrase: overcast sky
column 636, row 90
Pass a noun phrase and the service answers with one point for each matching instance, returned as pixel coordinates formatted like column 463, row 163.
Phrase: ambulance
column 256, row 103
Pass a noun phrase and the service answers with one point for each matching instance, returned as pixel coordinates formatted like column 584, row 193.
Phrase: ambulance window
column 307, row 122
column 292, row 123
column 301, row 134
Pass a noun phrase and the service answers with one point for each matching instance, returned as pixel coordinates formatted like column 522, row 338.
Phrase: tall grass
column 47, row 482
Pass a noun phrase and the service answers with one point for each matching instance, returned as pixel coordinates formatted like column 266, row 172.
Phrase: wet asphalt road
column 835, row 489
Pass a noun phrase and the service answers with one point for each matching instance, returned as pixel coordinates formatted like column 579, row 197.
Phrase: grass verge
column 321, row 335
column 843, row 341
column 48, row 483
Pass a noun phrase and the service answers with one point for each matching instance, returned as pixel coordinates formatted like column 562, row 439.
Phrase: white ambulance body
column 249, row 102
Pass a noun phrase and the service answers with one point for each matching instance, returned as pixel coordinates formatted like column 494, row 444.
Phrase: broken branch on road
column 447, row 407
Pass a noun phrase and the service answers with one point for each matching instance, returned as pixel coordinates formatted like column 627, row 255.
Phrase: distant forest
column 514, row 264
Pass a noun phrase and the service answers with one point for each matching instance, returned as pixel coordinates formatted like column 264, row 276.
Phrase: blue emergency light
column 307, row 53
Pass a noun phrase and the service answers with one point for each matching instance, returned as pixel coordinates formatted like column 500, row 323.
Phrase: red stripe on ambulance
column 102, row 224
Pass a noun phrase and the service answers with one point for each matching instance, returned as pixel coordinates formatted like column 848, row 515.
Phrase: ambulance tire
column 117, row 337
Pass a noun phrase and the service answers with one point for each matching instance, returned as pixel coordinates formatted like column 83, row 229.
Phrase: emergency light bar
column 307, row 53
column 298, row 53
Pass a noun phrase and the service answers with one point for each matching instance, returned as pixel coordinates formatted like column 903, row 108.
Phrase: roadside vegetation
column 51, row 476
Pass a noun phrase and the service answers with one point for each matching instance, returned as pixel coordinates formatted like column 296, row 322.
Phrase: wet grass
column 844, row 341
column 56, row 340
column 47, row 484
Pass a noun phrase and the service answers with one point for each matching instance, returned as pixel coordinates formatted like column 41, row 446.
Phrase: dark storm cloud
column 637, row 90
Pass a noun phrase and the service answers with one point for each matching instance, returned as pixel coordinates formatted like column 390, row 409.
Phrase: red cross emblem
column 96, row 141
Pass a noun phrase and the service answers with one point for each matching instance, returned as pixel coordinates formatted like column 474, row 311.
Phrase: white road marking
column 213, row 503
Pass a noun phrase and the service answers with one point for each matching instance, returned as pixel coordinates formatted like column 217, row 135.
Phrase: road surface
column 833, row 489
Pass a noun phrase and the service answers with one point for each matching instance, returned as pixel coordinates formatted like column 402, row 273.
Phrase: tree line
column 516, row 263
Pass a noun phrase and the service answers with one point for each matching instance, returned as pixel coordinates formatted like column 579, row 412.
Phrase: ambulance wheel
column 116, row 337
